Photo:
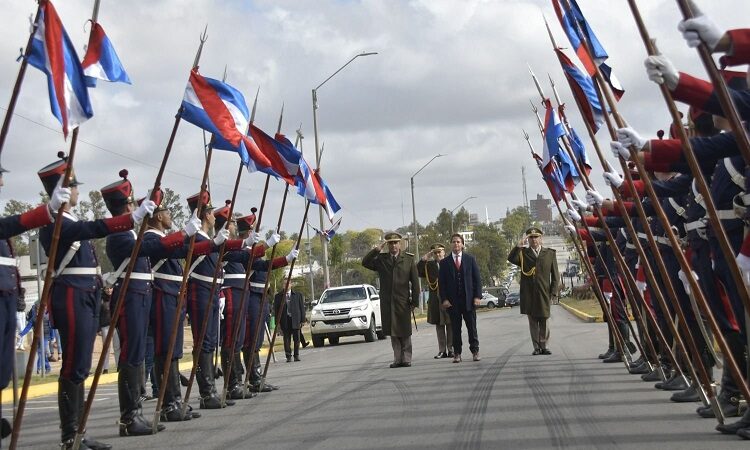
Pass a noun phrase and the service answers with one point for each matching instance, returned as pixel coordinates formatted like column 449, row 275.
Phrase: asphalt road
column 346, row 397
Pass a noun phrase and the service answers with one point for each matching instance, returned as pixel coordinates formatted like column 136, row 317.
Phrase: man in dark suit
column 461, row 290
column 291, row 316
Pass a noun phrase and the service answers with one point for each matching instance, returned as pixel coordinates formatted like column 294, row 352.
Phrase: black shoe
column 545, row 351
column 305, row 344
column 631, row 347
column 395, row 365
column 744, row 433
column 729, row 404
column 615, row 357
column 288, row 359
column 184, row 380
column 237, row 393
column 441, row 355
column 272, row 386
column 5, row 428
column 639, row 369
column 256, row 388
column 296, row 359
column 191, row 412
column 105, row 371
column 210, row 402
column 450, row 355
column 734, row 427
column 654, row 375
column 137, row 426
column 93, row 444
column 607, row 354
column 406, row 364
column 676, row 383
column 174, row 414
column 536, row 352
column 65, row 445
column 687, row 396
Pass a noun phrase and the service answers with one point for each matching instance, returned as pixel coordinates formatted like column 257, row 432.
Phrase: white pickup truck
column 346, row 311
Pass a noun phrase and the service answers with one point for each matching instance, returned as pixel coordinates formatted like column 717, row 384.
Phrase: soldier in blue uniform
column 256, row 319
column 167, row 269
column 132, row 326
column 10, row 280
column 75, row 297
column 234, row 280
column 200, row 302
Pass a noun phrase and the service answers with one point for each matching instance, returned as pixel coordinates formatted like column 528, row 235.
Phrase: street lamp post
column 459, row 205
column 317, row 158
column 414, row 208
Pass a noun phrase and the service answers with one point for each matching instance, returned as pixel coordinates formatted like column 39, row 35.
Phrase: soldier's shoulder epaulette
column 410, row 254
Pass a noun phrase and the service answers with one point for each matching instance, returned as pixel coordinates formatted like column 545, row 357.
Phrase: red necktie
column 457, row 263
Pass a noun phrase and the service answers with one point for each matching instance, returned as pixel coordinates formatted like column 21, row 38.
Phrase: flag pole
column 697, row 368
column 264, row 297
column 702, row 185
column 237, row 321
column 19, row 80
column 44, row 298
column 633, row 294
column 131, row 264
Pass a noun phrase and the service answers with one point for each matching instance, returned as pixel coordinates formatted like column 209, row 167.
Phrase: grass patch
column 588, row 305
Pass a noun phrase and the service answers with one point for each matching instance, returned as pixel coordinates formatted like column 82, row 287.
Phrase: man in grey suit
column 461, row 290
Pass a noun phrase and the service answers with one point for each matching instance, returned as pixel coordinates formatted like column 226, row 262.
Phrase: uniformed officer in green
column 429, row 268
column 399, row 294
column 539, row 284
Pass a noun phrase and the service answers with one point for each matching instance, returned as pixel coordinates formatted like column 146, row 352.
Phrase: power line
column 112, row 152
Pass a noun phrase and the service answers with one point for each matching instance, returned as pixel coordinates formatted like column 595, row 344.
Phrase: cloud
column 450, row 77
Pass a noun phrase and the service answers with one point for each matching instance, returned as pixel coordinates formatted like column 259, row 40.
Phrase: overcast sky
column 450, row 77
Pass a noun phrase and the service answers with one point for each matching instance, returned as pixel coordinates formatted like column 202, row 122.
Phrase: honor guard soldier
column 256, row 319
column 132, row 326
column 10, row 280
column 75, row 296
column 428, row 268
column 234, row 282
column 200, row 303
column 167, row 269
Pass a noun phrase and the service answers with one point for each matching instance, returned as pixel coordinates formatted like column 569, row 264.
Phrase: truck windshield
column 344, row 295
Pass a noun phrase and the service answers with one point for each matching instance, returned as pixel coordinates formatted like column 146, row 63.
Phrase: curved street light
column 414, row 208
column 317, row 157
column 459, row 205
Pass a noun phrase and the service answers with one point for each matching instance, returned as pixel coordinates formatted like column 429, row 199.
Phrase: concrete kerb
column 580, row 314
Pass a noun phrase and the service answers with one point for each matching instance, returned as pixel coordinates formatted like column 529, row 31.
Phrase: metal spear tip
column 533, row 106
column 525, row 134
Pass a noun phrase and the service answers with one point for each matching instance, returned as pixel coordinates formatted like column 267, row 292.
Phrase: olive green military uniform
column 399, row 293
column 539, row 283
column 430, row 270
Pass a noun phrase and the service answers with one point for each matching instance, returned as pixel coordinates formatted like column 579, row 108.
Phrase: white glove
column 685, row 281
column 660, row 70
column 193, row 224
column 59, row 196
column 628, row 136
column 221, row 236
column 613, row 179
column 619, row 150
column 594, row 198
column 292, row 255
column 251, row 240
column 700, row 28
column 580, row 204
column 744, row 264
column 571, row 229
column 222, row 304
column 273, row 240
column 146, row 208
column 573, row 215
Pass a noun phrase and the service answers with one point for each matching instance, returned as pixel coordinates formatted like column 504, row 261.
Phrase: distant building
column 541, row 209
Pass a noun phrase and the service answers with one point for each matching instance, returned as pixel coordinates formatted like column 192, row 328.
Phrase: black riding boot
column 232, row 375
column 89, row 442
column 67, row 402
column 611, row 348
column 256, row 374
column 132, row 422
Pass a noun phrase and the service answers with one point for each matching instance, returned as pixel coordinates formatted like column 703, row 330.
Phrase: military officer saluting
column 399, row 294
column 429, row 268
column 540, row 280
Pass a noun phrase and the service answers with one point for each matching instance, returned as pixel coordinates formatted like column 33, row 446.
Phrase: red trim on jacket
column 740, row 52
column 122, row 222
column 693, row 91
column 173, row 241
column 35, row 218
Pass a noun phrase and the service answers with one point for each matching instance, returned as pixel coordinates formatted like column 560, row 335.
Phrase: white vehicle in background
column 346, row 311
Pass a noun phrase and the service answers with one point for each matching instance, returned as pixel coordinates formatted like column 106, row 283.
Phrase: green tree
column 515, row 223
column 172, row 202
column 363, row 241
column 21, row 242
column 491, row 252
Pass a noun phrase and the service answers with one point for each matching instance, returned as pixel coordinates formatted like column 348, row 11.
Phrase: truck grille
column 336, row 321
column 336, row 312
